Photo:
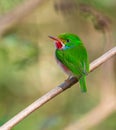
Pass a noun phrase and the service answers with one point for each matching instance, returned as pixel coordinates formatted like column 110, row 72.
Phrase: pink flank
column 64, row 68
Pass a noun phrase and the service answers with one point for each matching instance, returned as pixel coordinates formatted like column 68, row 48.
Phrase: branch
column 95, row 116
column 16, row 15
column 100, row 21
column 54, row 92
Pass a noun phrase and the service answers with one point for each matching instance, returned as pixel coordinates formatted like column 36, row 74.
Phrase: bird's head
column 66, row 40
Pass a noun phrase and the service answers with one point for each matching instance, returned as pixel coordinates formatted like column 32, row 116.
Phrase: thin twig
column 54, row 92
column 15, row 16
column 102, row 59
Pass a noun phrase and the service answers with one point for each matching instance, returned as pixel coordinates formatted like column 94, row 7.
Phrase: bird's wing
column 74, row 58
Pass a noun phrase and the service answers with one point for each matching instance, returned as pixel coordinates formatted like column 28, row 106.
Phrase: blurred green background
column 28, row 68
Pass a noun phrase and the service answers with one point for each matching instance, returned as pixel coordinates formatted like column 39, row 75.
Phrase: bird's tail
column 82, row 82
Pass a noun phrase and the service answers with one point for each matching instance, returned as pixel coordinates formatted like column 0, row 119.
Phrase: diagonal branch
column 54, row 92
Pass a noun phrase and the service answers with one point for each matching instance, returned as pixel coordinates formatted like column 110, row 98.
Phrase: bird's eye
column 67, row 40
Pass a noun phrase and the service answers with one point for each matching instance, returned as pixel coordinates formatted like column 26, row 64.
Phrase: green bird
column 72, row 56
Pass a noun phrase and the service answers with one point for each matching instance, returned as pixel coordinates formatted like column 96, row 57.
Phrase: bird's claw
column 68, row 79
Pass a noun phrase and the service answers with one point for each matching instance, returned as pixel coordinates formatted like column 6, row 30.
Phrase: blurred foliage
column 28, row 68
column 16, row 55
column 18, row 52
column 6, row 5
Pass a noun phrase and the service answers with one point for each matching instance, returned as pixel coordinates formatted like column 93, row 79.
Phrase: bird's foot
column 68, row 79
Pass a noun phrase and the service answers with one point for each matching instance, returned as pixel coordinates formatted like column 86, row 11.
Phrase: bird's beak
column 59, row 44
column 54, row 38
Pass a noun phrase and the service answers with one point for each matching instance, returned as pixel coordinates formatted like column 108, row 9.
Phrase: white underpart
column 67, row 71
column 63, row 46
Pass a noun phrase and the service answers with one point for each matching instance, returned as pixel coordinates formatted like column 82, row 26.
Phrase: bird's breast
column 63, row 67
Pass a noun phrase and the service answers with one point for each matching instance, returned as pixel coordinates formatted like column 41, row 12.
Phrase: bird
column 72, row 57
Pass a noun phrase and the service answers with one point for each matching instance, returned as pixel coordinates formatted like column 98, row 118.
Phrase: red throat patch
column 58, row 44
